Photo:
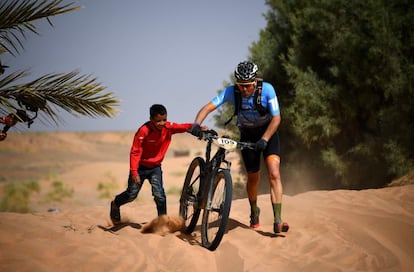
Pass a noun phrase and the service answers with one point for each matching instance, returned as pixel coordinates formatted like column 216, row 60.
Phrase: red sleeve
column 136, row 150
column 179, row 128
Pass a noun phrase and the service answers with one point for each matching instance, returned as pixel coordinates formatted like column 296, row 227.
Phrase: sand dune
column 368, row 230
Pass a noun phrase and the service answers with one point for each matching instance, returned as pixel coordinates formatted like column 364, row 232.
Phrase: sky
column 177, row 53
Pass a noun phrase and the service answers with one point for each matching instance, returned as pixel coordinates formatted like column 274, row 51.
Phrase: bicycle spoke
column 189, row 202
column 215, row 217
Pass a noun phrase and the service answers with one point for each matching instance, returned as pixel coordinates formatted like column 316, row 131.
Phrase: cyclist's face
column 246, row 87
column 159, row 121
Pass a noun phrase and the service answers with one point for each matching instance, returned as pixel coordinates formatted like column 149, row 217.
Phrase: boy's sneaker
column 254, row 219
column 280, row 227
column 115, row 214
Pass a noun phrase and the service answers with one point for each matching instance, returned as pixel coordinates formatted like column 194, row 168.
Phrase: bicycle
column 208, row 187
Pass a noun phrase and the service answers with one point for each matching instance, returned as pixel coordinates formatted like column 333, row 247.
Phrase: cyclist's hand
column 261, row 145
column 196, row 130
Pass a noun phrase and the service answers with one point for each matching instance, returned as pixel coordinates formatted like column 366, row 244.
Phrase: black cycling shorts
column 251, row 158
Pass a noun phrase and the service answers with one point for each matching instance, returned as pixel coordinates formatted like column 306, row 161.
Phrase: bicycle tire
column 191, row 194
column 215, row 219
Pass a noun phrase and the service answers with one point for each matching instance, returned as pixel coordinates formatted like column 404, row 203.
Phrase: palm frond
column 8, row 105
column 17, row 16
column 71, row 92
column 74, row 93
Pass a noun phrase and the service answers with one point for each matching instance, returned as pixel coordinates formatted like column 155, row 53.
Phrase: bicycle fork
column 216, row 166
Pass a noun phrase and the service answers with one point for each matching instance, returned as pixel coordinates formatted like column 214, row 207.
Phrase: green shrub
column 108, row 186
column 59, row 192
column 174, row 190
column 17, row 196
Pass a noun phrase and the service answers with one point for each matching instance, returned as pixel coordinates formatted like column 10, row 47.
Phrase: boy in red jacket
column 148, row 150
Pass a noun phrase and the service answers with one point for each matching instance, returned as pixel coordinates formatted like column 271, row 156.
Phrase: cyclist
column 150, row 144
column 255, row 127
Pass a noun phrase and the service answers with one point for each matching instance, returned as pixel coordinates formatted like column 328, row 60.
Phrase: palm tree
column 80, row 95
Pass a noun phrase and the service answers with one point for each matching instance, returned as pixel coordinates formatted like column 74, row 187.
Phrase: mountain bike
column 208, row 187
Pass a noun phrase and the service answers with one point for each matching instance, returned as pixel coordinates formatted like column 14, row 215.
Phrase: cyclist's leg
column 252, row 186
column 252, row 190
column 251, row 160
column 276, row 189
column 272, row 160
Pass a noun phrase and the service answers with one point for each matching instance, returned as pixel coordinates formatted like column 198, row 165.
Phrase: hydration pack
column 257, row 100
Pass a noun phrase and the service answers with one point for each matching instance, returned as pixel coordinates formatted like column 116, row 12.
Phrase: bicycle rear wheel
column 216, row 215
column 190, row 199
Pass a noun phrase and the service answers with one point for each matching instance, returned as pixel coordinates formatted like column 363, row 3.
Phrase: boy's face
column 159, row 121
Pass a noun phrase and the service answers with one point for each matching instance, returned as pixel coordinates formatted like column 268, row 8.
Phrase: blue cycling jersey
column 248, row 116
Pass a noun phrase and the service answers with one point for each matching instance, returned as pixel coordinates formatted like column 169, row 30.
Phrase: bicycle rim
column 191, row 193
column 215, row 219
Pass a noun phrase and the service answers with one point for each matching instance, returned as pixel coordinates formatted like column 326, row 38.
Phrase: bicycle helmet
column 246, row 70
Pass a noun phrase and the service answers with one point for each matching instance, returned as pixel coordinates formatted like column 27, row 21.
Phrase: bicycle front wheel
column 216, row 214
column 190, row 199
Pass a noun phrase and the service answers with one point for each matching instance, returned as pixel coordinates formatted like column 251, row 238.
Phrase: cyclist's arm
column 274, row 110
column 204, row 112
column 272, row 127
column 224, row 96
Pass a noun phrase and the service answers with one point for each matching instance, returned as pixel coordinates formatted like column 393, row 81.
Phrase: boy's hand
column 196, row 130
column 136, row 180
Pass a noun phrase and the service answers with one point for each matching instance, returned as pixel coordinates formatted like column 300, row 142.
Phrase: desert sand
column 339, row 230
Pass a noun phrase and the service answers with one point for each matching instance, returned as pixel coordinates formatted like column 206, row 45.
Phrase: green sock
column 253, row 207
column 277, row 212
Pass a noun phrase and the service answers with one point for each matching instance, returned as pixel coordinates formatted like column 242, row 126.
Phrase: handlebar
column 208, row 134
column 224, row 141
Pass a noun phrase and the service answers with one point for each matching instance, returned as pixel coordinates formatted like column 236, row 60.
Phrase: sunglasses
column 246, row 83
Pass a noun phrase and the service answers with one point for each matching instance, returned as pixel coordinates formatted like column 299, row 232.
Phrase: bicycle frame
column 208, row 187
column 211, row 164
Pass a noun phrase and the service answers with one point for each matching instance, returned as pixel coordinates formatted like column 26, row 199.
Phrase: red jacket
column 150, row 144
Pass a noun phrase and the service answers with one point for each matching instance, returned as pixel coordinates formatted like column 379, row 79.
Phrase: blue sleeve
column 272, row 103
column 226, row 95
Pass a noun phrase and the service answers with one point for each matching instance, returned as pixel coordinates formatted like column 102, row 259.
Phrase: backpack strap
column 258, row 97
column 237, row 103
